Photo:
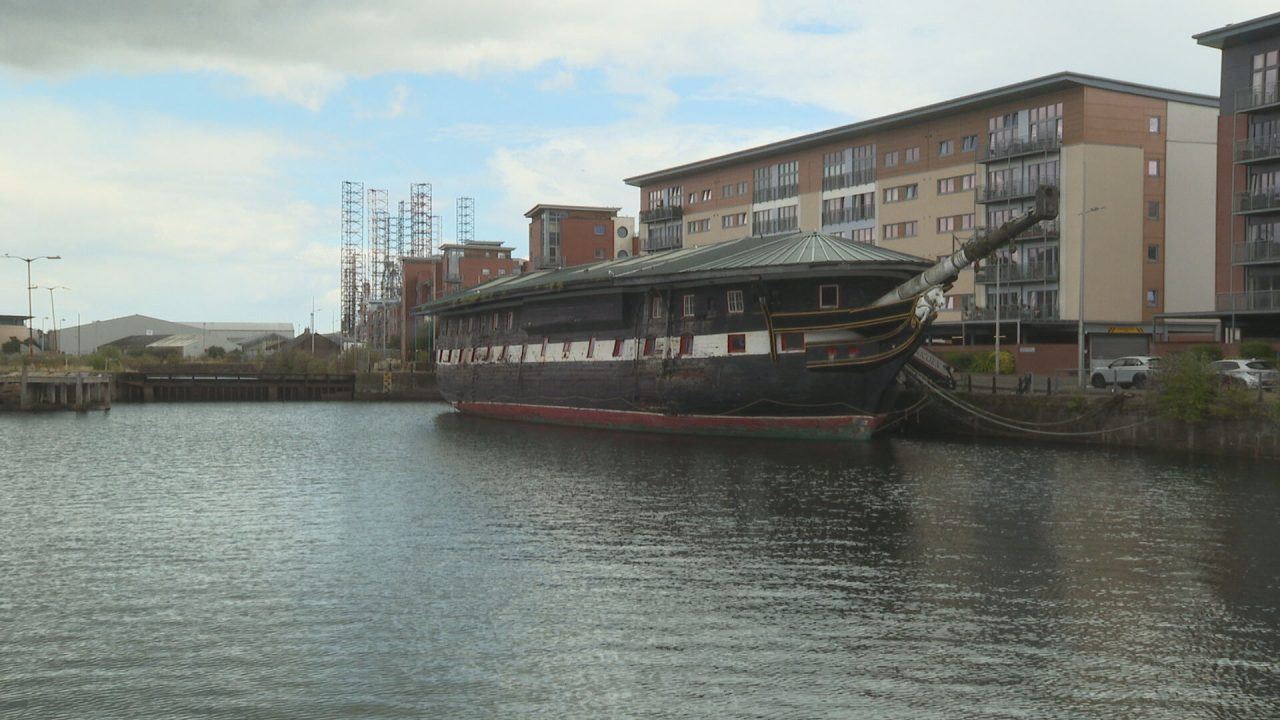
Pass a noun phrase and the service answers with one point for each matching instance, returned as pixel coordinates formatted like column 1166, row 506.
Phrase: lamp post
column 28, row 261
column 54, row 312
column 1080, row 368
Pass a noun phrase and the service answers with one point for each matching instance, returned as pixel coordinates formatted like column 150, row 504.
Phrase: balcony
column 1259, row 98
column 1256, row 301
column 1257, row 149
column 848, row 215
column 1044, row 230
column 1265, row 200
column 661, row 214
column 1014, row 190
column 775, row 226
column 1017, row 273
column 849, row 179
column 779, row 192
column 1019, row 146
column 1257, row 252
column 652, row 244
column 1023, row 313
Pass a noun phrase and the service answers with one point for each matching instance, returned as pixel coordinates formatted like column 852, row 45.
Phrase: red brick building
column 568, row 235
column 457, row 268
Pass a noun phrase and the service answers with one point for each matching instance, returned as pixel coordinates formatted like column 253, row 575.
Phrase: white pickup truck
column 1133, row 371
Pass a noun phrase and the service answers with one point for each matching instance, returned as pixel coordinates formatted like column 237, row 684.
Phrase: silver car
column 1248, row 373
column 1134, row 371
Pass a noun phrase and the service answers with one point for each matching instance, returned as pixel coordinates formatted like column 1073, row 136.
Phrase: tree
column 215, row 352
column 11, row 346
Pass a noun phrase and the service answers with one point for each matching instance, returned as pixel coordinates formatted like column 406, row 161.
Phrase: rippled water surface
column 369, row 561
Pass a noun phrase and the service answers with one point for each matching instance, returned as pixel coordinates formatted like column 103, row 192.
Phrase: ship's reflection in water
column 403, row 561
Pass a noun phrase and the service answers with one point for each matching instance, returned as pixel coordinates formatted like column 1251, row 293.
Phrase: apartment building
column 1248, row 176
column 458, row 267
column 568, row 235
column 1134, row 165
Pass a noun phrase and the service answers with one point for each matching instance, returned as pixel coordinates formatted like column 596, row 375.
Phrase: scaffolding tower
column 466, row 219
column 421, row 235
column 351, row 265
column 379, row 230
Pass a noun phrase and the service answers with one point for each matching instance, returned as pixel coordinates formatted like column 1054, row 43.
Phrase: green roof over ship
column 771, row 255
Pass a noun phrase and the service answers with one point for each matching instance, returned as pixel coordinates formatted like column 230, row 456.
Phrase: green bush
column 1187, row 386
column 1257, row 349
column 985, row 363
column 1208, row 353
column 961, row 361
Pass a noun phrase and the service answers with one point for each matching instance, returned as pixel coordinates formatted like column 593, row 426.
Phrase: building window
column 1153, row 209
column 687, row 305
column 793, row 342
column 648, row 346
column 599, row 253
column 947, row 224
column 966, row 181
column 733, row 300
column 969, row 143
column 912, row 154
column 828, row 296
column 598, row 229
column 1153, row 253
column 697, row 226
column 966, row 222
column 502, row 271
column 706, row 195
column 863, row 235
column 655, row 310
column 686, row 344
column 1153, row 124
column 1153, row 168
column 891, row 159
column 484, row 271
column 737, row 343
column 901, row 193
column 742, row 188
column 617, row 347
column 946, row 147
column 1152, row 298
column 726, row 191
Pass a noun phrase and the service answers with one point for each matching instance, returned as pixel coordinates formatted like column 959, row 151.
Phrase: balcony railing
column 848, row 215
column 661, row 214
column 1260, row 201
column 1257, row 149
column 1017, row 273
column 849, row 179
column 775, row 226
column 778, row 192
column 652, row 244
column 1020, row 146
column 1046, row 229
column 1266, row 251
column 1025, row 313
column 1258, row 300
column 1252, row 98
column 1021, row 188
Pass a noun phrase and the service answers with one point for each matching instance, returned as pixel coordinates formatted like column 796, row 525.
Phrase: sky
column 186, row 158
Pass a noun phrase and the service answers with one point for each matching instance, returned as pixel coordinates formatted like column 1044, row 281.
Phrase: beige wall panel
column 1113, row 247
column 1189, row 210
column 716, row 233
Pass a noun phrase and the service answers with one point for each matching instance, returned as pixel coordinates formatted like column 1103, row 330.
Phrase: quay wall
column 1119, row 420
column 397, row 386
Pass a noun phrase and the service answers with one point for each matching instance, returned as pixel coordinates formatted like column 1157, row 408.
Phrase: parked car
column 1248, row 373
column 1134, row 371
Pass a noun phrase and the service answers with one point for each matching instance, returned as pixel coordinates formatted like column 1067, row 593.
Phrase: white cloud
column 155, row 216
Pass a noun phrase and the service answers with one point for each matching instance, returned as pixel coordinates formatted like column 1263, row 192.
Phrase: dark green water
column 371, row 561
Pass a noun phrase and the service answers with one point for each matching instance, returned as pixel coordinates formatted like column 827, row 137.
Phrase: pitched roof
column 1027, row 88
column 760, row 255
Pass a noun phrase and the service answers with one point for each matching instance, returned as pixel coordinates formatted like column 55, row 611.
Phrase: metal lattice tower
column 378, row 236
column 421, row 235
column 351, row 265
column 466, row 218
column 395, row 251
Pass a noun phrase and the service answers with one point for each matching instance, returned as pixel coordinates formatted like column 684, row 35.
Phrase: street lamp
column 1080, row 368
column 28, row 261
column 53, row 311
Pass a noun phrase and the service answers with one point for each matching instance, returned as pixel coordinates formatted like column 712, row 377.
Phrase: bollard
column 969, row 383
column 1048, row 386
column 993, row 384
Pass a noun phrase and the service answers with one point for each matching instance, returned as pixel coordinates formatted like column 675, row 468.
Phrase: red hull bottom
column 812, row 427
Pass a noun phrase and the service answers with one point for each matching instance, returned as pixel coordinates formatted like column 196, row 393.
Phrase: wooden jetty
column 219, row 386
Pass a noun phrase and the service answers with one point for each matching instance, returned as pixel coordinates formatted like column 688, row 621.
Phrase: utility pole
column 30, row 319
column 54, row 312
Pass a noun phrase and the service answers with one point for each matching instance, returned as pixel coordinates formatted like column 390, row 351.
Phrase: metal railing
column 849, row 179
column 776, row 192
column 1020, row 146
column 1256, row 252
column 1262, row 200
column 848, row 215
column 1249, row 301
column 1254, row 149
column 1017, row 272
column 652, row 244
column 1252, row 98
column 1020, row 188
column 1025, row 313
column 775, row 226
column 661, row 214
